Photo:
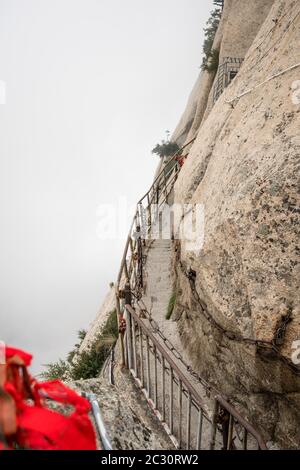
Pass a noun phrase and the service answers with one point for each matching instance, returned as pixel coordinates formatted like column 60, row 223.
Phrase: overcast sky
column 91, row 87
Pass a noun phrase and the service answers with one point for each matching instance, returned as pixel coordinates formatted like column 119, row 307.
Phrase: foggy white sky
column 92, row 85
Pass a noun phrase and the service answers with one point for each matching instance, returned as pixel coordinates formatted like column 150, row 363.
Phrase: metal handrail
column 167, row 357
column 162, row 171
column 145, row 197
column 91, row 397
column 158, row 194
column 174, row 373
column 155, row 188
column 242, row 421
column 184, row 386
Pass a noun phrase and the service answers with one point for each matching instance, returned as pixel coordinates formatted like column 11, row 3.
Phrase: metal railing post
column 163, row 381
column 245, row 439
column 200, row 425
column 180, row 413
column 230, row 432
column 91, row 397
column 128, row 301
column 214, row 426
column 119, row 317
column 133, row 326
column 155, row 376
column 148, row 367
column 141, row 356
column 194, row 428
column 188, row 425
column 171, row 400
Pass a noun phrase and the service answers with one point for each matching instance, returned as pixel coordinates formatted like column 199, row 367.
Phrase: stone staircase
column 158, row 279
column 192, row 412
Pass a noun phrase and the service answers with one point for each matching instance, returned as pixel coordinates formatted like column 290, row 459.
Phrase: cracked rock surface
column 129, row 423
column 244, row 169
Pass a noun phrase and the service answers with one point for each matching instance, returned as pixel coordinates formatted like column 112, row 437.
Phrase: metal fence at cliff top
column 227, row 71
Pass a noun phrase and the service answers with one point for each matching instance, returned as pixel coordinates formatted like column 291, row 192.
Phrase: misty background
column 91, row 88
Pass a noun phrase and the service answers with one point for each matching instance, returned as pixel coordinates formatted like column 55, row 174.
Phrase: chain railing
column 266, row 348
column 157, row 367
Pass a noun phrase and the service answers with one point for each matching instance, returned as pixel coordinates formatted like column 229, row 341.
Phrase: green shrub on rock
column 87, row 364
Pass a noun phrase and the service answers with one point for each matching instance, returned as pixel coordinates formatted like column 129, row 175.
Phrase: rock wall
column 192, row 117
column 239, row 25
column 244, row 169
column 128, row 423
column 241, row 22
column 109, row 304
column 184, row 126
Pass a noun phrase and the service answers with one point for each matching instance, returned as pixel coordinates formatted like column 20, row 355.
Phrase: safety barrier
column 145, row 217
column 169, row 390
column 175, row 400
column 100, row 425
column 227, row 71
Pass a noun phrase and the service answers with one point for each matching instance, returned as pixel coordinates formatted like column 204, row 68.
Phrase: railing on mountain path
column 175, row 400
column 227, row 71
column 131, row 270
column 184, row 416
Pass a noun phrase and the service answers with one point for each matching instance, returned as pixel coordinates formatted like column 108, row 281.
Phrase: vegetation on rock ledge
column 166, row 149
column 210, row 61
column 89, row 363
column 171, row 306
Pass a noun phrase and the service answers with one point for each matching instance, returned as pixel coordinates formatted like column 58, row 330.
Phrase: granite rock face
column 240, row 22
column 244, row 169
column 128, row 423
column 108, row 305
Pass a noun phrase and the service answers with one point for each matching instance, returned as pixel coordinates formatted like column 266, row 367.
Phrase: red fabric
column 37, row 426
column 56, row 390
column 44, row 429
column 13, row 352
column 180, row 160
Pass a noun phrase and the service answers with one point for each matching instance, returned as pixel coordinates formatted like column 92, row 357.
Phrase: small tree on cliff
column 166, row 149
column 210, row 61
column 88, row 363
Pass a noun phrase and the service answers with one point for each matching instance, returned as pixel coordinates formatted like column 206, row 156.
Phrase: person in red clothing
column 180, row 159
column 25, row 419
column 8, row 418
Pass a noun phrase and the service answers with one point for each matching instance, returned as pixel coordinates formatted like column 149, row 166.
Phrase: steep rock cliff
column 244, row 169
column 239, row 25
column 107, row 307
